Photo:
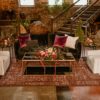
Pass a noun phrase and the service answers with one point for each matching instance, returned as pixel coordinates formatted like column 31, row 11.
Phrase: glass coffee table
column 33, row 64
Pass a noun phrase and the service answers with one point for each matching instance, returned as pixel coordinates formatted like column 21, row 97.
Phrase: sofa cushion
column 22, row 29
column 71, row 41
column 94, row 63
column 23, row 39
column 90, row 61
column 4, row 61
column 60, row 41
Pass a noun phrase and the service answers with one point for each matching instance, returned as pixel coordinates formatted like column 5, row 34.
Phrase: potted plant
column 79, row 31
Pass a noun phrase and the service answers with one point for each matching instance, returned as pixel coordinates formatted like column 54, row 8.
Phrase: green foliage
column 53, row 10
column 79, row 31
column 25, row 23
column 65, row 5
column 56, row 9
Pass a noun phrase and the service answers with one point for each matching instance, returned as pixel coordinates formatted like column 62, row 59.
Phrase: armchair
column 93, row 60
column 4, row 61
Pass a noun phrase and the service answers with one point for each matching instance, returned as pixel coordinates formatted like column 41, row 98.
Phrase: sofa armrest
column 16, row 48
column 4, row 53
column 93, row 52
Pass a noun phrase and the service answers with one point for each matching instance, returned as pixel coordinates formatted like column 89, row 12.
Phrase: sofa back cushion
column 60, row 41
column 23, row 39
column 71, row 41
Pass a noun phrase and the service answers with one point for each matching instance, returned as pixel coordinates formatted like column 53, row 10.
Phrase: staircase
column 87, row 14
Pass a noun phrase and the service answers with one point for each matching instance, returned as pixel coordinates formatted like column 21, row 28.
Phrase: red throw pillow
column 60, row 41
column 23, row 39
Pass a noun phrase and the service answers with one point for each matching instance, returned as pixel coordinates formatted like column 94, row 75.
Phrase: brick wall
column 30, row 11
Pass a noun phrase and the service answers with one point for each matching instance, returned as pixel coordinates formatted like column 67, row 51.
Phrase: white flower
column 50, row 50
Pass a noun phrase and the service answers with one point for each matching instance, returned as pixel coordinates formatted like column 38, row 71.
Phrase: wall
column 13, row 4
column 6, row 4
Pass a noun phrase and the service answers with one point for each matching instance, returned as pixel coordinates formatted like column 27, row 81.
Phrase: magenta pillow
column 23, row 39
column 60, row 41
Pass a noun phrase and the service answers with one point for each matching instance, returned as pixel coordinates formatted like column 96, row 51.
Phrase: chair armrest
column 4, row 53
column 93, row 52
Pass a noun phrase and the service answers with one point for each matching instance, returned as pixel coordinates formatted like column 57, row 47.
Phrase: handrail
column 85, row 10
column 76, row 18
column 78, row 10
column 65, row 10
column 94, row 15
column 57, row 21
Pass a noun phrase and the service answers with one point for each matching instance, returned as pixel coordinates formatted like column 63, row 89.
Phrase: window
column 81, row 2
column 55, row 2
column 27, row 3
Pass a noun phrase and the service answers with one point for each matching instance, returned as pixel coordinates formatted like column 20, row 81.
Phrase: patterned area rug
column 80, row 76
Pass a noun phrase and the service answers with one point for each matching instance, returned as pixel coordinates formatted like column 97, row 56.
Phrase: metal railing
column 86, row 23
column 58, row 21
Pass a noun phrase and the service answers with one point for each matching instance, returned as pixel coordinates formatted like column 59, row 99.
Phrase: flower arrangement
column 48, row 54
column 88, row 41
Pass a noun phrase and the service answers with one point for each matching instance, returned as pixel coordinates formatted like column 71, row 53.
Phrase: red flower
column 54, row 55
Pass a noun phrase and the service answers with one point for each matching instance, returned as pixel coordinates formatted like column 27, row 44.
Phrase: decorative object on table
column 48, row 54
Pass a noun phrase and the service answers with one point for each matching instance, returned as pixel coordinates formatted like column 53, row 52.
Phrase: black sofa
column 76, row 52
column 36, row 41
column 43, row 41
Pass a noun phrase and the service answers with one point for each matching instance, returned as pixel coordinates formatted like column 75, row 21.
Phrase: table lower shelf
column 62, row 70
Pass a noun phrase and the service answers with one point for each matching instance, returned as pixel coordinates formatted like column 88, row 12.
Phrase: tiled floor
column 28, row 93
column 50, row 93
column 79, row 93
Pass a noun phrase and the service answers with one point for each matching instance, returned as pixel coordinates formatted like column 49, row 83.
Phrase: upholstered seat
column 4, row 61
column 93, row 60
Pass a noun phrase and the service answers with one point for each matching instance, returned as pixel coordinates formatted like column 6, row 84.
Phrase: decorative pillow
column 71, row 41
column 60, row 41
column 23, row 39
column 22, row 29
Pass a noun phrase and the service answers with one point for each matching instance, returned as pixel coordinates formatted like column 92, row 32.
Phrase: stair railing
column 75, row 14
column 93, row 16
column 78, row 17
column 85, row 10
column 57, row 21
